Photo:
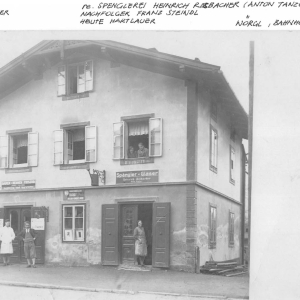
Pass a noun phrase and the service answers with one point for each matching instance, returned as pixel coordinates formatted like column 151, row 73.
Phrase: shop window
column 73, row 223
column 212, row 226
column 137, row 138
column 75, row 144
column 232, row 165
column 75, row 78
column 231, row 229
column 213, row 149
column 19, row 149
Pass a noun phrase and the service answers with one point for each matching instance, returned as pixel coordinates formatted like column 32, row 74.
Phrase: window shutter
column 89, row 75
column 33, row 148
column 80, row 78
column 118, row 140
column 61, row 89
column 90, row 143
column 58, row 146
column 4, row 151
column 155, row 131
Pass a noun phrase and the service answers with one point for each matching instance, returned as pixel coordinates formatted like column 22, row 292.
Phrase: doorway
column 17, row 217
column 130, row 214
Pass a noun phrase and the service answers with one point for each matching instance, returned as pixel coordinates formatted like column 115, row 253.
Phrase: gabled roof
column 35, row 61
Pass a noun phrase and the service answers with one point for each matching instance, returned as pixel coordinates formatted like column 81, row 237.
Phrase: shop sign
column 38, row 224
column 137, row 176
column 137, row 161
column 18, row 185
column 74, row 195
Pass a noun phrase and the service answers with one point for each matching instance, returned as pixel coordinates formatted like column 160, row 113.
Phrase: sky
column 229, row 50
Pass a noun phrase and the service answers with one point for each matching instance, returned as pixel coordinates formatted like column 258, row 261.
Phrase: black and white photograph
column 146, row 164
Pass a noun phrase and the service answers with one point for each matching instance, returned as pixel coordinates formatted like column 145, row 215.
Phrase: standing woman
column 140, row 243
column 7, row 235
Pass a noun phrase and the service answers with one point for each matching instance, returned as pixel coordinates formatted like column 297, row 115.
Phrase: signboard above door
column 137, row 176
column 74, row 195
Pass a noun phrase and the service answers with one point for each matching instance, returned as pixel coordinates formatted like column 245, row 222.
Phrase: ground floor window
column 73, row 223
column 231, row 229
column 212, row 226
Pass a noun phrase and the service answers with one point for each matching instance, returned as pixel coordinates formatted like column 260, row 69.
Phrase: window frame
column 212, row 243
column 66, row 84
column 231, row 229
column 32, row 149
column 73, row 205
column 123, row 124
column 214, row 110
column 232, row 162
column 63, row 140
column 213, row 146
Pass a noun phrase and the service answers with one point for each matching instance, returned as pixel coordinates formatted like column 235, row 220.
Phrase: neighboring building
column 71, row 106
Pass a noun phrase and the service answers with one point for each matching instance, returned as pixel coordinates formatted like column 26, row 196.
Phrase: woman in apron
column 7, row 235
column 140, row 243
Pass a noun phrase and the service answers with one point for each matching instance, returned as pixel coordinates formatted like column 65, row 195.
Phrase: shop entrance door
column 129, row 222
column 17, row 217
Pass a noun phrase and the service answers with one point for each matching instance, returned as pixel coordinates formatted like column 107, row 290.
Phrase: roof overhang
column 31, row 65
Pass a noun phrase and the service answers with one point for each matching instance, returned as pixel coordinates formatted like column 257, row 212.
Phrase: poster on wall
column 38, row 224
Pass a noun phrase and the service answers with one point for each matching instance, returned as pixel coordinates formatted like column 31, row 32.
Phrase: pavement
column 111, row 280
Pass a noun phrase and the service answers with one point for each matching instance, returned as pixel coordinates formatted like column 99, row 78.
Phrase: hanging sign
column 18, row 185
column 38, row 224
column 137, row 176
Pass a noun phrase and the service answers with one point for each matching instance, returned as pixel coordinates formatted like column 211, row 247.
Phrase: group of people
column 141, row 152
column 27, row 235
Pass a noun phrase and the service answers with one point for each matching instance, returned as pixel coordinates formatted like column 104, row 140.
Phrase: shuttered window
column 75, row 145
column 212, row 226
column 19, row 150
column 75, row 78
column 232, row 165
column 231, row 229
column 213, row 149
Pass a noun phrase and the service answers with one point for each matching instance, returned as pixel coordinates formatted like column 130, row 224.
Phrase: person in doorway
column 7, row 235
column 131, row 152
column 140, row 243
column 29, row 236
column 143, row 152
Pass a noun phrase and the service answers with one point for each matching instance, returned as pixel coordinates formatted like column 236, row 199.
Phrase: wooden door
column 161, row 235
column 110, row 241
column 25, row 215
column 129, row 222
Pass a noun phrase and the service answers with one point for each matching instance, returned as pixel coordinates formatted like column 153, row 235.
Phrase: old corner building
column 70, row 110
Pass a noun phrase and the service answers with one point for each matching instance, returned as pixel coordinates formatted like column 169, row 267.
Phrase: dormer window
column 75, row 78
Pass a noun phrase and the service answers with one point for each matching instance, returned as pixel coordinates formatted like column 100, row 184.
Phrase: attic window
column 75, row 78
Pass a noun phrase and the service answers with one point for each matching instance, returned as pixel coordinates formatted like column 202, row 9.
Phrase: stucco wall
column 89, row 252
column 222, row 250
column 219, row 181
column 121, row 91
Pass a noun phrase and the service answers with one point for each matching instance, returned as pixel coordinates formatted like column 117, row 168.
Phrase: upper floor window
column 213, row 149
column 137, row 138
column 212, row 226
column 19, row 149
column 75, row 144
column 231, row 228
column 75, row 78
column 214, row 110
column 232, row 165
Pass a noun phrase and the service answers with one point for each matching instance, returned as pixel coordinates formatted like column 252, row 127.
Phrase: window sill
column 18, row 170
column 214, row 169
column 232, row 181
column 136, row 161
column 83, row 165
column 74, row 242
column 75, row 96
column 231, row 245
column 212, row 247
